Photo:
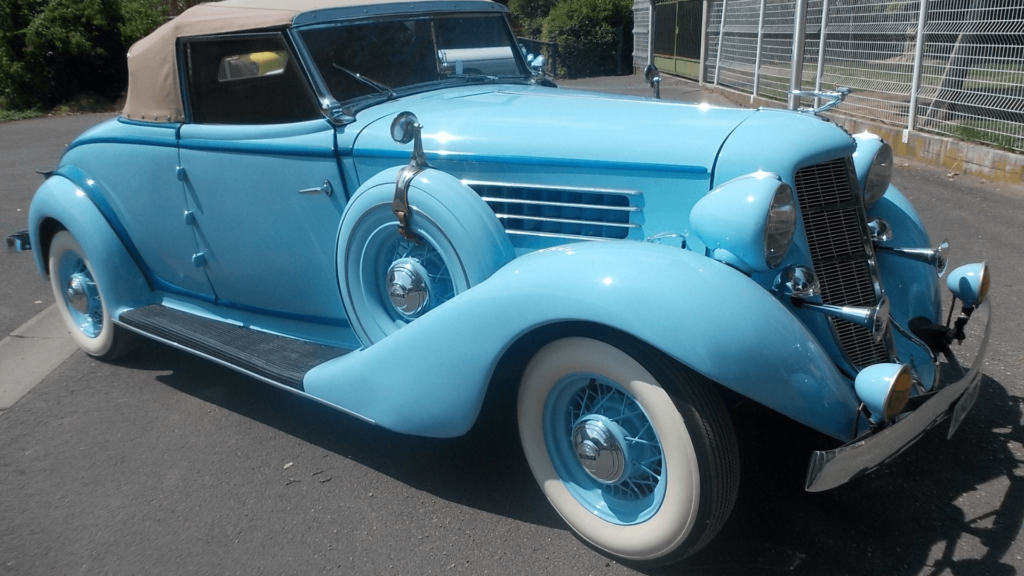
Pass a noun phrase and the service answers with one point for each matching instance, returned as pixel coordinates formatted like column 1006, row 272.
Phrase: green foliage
column 9, row 115
column 988, row 135
column 593, row 36
column 140, row 18
column 53, row 50
column 528, row 16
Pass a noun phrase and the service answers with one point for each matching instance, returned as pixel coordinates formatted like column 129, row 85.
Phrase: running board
column 275, row 359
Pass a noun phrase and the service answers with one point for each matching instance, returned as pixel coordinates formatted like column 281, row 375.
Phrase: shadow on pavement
column 908, row 518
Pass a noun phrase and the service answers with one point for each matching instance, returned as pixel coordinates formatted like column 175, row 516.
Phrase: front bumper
column 831, row 468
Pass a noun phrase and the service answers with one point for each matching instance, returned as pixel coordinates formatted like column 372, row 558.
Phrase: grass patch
column 10, row 115
column 986, row 136
column 83, row 104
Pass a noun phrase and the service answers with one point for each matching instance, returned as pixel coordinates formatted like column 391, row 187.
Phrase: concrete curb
column 31, row 353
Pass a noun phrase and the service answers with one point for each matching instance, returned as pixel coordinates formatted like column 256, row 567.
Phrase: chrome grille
column 563, row 212
column 834, row 222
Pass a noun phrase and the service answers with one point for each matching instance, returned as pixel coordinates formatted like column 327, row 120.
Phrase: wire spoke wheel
column 80, row 301
column 635, row 452
column 633, row 489
column 388, row 281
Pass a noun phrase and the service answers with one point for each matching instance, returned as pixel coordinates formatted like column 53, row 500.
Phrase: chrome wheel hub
column 408, row 287
column 601, row 449
column 77, row 292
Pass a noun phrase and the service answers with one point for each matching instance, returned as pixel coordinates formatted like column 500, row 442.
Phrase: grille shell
column 842, row 256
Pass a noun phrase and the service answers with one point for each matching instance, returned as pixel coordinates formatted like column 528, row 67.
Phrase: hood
column 553, row 126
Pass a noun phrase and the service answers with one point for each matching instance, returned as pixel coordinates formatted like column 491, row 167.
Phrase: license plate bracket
column 964, row 405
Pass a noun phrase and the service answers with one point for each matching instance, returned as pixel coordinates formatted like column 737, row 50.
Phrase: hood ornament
column 834, row 98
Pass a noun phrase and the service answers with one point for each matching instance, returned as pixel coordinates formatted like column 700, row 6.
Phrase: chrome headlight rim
column 780, row 225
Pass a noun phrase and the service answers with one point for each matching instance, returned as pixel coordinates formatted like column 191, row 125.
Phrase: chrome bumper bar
column 831, row 468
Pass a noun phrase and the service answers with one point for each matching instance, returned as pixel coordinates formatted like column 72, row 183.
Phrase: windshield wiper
column 381, row 88
column 474, row 77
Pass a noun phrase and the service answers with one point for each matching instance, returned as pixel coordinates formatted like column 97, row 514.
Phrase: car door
column 261, row 178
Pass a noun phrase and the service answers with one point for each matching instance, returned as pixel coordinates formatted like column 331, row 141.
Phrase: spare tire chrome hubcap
column 408, row 287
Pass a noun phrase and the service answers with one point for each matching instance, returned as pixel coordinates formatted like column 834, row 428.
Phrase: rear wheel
column 81, row 305
column 636, row 453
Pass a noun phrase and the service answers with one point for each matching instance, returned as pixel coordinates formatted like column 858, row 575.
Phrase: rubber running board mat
column 275, row 358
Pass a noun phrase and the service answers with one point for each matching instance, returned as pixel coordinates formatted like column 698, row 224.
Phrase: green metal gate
column 677, row 37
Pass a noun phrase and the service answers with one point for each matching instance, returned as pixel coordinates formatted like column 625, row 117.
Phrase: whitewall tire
column 77, row 292
column 644, row 473
column 462, row 245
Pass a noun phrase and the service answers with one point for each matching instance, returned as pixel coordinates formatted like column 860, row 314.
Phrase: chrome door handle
column 326, row 188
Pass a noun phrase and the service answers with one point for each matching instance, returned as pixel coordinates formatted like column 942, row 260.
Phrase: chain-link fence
column 950, row 66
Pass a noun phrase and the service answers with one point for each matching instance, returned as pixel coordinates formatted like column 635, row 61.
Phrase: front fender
column 430, row 377
column 122, row 284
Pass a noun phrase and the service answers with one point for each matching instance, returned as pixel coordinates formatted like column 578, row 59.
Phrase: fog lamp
column 969, row 283
column 884, row 389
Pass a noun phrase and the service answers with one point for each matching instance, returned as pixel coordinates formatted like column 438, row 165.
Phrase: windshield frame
column 342, row 112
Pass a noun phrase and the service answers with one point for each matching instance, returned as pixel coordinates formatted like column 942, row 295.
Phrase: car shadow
column 944, row 507
column 951, row 507
column 484, row 470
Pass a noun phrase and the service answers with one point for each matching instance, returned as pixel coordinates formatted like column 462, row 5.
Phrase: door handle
column 326, row 189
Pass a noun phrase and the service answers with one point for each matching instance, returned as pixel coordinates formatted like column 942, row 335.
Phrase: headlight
column 879, row 175
column 873, row 162
column 748, row 222
column 780, row 227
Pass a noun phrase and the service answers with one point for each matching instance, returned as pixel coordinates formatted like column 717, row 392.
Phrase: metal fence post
column 915, row 84
column 757, row 57
column 650, row 34
column 796, row 71
column 705, row 23
column 721, row 37
column 821, row 51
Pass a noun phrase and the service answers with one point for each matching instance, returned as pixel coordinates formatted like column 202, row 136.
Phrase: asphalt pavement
column 167, row 464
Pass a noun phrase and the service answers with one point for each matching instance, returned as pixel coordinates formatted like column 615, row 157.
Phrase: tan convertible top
column 154, row 88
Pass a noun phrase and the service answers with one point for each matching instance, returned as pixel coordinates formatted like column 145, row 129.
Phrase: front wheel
column 81, row 305
column 637, row 456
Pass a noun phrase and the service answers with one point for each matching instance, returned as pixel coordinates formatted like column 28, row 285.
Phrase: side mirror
column 538, row 63
column 653, row 78
column 404, row 127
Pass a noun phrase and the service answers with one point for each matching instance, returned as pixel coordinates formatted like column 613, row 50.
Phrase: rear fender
column 430, row 377
column 60, row 201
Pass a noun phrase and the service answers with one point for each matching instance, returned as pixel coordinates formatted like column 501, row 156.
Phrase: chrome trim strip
column 562, row 204
column 556, row 235
column 623, row 191
column 263, row 379
column 535, row 161
column 376, row 10
column 567, row 221
column 831, row 468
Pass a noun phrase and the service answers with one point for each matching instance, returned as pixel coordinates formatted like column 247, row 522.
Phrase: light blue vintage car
column 385, row 207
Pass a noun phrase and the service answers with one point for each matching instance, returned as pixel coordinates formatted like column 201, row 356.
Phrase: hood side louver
column 564, row 213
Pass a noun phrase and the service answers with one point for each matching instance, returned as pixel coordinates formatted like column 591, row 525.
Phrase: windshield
column 381, row 57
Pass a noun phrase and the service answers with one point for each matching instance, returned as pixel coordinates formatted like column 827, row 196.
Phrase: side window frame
column 295, row 67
